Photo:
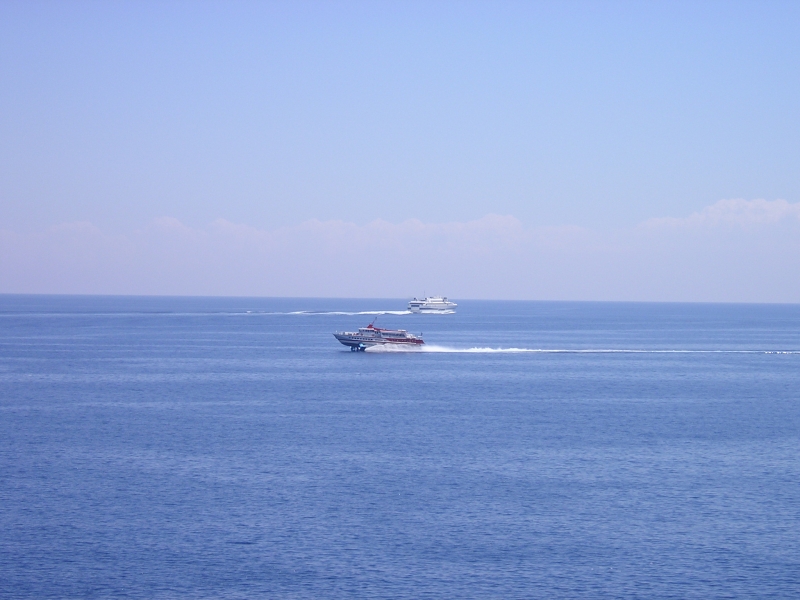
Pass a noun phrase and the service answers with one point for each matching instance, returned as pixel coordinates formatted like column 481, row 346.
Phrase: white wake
column 334, row 312
column 431, row 348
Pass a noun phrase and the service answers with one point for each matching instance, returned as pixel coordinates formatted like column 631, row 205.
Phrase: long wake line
column 340, row 313
column 485, row 350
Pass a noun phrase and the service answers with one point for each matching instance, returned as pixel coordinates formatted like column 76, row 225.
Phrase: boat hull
column 362, row 342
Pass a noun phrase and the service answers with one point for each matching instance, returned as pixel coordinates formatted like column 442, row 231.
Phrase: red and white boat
column 360, row 340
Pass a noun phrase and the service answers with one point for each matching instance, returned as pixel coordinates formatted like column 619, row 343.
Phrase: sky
column 520, row 150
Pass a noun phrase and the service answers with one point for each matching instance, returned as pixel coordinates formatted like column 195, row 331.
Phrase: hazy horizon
column 380, row 299
column 573, row 151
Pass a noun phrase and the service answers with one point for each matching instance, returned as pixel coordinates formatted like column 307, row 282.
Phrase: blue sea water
column 231, row 448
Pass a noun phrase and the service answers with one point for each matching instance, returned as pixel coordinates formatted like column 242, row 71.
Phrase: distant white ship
column 432, row 304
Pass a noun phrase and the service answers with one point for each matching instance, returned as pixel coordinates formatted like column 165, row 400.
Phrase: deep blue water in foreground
column 188, row 448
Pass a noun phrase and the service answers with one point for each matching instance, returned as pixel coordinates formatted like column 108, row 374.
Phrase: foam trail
column 334, row 312
column 394, row 348
column 365, row 312
column 486, row 350
column 595, row 351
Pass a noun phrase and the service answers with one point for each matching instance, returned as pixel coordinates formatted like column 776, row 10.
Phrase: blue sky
column 592, row 115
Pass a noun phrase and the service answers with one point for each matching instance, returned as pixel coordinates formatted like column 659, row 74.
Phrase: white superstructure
column 432, row 304
column 375, row 336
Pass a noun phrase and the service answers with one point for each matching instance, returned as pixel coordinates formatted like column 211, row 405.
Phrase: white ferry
column 432, row 304
column 375, row 336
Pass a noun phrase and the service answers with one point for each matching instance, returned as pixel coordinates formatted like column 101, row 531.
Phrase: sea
column 155, row 447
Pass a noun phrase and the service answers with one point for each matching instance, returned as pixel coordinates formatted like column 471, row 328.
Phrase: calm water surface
column 225, row 448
